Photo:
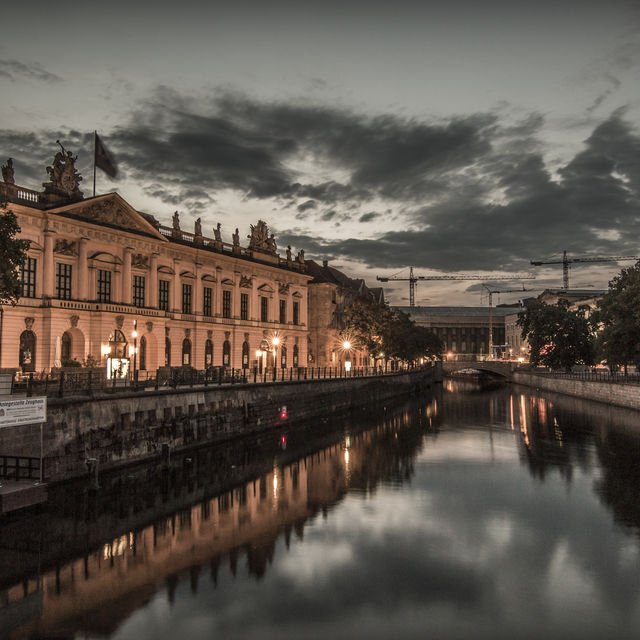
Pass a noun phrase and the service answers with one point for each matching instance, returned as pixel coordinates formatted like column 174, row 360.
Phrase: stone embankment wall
column 127, row 428
column 621, row 395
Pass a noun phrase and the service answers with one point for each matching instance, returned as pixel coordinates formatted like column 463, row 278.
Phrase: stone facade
column 330, row 291
column 98, row 270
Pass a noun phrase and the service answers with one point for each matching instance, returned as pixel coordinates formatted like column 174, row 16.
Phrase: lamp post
column 275, row 341
column 346, row 345
column 135, row 347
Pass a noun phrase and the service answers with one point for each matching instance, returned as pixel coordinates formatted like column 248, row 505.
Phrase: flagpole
column 95, row 135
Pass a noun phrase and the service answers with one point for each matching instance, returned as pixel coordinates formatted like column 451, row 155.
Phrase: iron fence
column 80, row 382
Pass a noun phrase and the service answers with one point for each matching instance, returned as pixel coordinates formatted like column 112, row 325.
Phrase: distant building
column 98, row 270
column 330, row 291
column 464, row 331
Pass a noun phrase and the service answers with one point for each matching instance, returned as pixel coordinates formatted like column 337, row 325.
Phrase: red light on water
column 283, row 415
column 283, row 439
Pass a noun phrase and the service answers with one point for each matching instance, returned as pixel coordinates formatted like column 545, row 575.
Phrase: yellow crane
column 566, row 261
column 491, row 292
column 413, row 280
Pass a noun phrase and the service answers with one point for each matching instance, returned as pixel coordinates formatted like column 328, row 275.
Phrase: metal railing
column 74, row 383
column 599, row 375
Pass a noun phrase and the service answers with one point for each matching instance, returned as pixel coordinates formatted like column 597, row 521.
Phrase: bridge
column 495, row 367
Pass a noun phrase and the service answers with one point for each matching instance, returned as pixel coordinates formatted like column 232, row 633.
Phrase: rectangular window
column 226, row 304
column 206, row 301
column 283, row 311
column 244, row 306
column 264, row 309
column 163, row 295
column 28, row 278
column 186, row 298
column 296, row 312
column 138, row 291
column 104, row 286
column 63, row 281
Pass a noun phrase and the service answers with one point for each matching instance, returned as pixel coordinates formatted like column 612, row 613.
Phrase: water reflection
column 468, row 514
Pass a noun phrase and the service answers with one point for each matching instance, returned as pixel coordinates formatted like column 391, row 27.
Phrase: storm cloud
column 471, row 191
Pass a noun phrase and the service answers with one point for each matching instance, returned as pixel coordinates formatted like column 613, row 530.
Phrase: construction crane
column 491, row 292
column 565, row 262
column 413, row 280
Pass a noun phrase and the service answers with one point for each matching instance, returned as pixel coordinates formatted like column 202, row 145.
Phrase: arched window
column 117, row 345
column 142, row 354
column 283, row 357
column 27, row 355
column 167, row 352
column 65, row 351
column 295, row 355
column 226, row 354
column 245, row 355
column 186, row 351
column 208, row 353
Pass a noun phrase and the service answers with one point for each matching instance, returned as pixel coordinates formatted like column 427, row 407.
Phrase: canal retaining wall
column 618, row 394
column 113, row 430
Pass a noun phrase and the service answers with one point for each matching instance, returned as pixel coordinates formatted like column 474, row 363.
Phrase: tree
column 558, row 336
column 12, row 256
column 391, row 332
column 618, row 319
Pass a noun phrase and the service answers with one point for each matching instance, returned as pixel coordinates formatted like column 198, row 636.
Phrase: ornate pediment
column 246, row 282
column 113, row 211
column 283, row 289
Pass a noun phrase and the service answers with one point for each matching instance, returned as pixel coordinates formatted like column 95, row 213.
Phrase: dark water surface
column 464, row 514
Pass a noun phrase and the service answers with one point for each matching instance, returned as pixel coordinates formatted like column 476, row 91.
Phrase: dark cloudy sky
column 462, row 136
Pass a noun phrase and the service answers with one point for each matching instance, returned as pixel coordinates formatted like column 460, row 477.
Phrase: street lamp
column 135, row 347
column 346, row 345
column 275, row 341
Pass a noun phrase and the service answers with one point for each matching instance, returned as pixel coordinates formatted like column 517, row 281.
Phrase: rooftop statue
column 259, row 240
column 7, row 172
column 64, row 179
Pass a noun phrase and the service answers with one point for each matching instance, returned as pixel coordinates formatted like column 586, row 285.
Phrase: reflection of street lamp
column 275, row 341
column 135, row 347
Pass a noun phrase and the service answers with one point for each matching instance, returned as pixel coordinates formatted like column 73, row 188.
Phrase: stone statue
column 64, row 179
column 216, row 233
column 7, row 172
column 236, row 238
column 300, row 257
column 259, row 239
column 176, row 221
column 198, row 227
column 288, row 253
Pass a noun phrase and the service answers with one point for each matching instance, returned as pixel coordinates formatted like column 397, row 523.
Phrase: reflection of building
column 96, row 592
column 96, row 265
column 464, row 331
column 330, row 292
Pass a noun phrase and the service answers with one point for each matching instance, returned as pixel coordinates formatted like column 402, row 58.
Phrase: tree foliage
column 12, row 256
column 382, row 330
column 618, row 319
column 558, row 336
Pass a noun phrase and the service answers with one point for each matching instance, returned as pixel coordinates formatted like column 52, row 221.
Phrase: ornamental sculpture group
column 64, row 181
column 259, row 239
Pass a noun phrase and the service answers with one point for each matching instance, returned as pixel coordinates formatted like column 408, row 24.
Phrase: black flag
column 103, row 159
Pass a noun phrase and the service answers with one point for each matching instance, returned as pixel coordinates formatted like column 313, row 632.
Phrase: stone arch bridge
column 502, row 369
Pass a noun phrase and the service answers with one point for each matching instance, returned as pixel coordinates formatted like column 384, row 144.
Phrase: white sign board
column 23, row 411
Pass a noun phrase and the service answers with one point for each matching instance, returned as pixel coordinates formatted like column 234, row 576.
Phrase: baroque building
column 101, row 277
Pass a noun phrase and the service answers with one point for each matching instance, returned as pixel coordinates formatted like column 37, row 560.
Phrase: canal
column 469, row 512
